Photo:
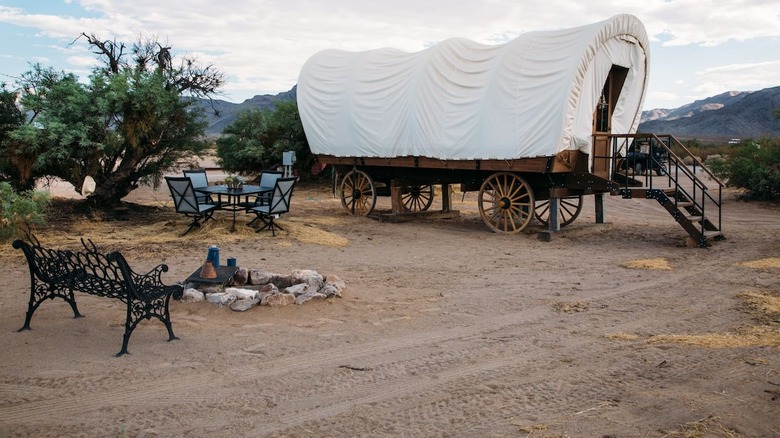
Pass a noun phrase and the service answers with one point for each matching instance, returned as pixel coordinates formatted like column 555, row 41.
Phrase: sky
column 699, row 48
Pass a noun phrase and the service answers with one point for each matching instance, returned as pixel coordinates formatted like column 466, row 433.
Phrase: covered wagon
column 524, row 123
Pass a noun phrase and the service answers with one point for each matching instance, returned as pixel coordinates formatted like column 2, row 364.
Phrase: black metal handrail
column 655, row 152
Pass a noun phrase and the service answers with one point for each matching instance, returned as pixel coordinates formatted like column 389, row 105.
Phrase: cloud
column 261, row 45
column 740, row 77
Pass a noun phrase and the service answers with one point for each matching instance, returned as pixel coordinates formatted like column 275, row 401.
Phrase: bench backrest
column 45, row 263
column 86, row 270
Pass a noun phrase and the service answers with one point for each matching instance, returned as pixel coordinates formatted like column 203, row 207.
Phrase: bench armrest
column 149, row 286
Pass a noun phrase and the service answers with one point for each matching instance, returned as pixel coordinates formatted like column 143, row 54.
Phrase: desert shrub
column 257, row 139
column 703, row 151
column 753, row 166
column 21, row 211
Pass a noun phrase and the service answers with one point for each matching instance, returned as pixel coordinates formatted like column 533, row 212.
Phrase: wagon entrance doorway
column 602, row 121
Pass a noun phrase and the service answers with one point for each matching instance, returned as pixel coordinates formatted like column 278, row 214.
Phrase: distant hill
column 735, row 114
column 746, row 114
column 221, row 114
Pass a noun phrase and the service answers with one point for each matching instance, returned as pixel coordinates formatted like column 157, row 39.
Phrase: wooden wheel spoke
column 515, row 188
column 506, row 202
column 509, row 219
column 519, row 209
column 494, row 213
column 569, row 203
column 518, row 216
column 568, row 210
column 417, row 198
column 494, row 190
column 358, row 194
column 518, row 198
column 543, row 208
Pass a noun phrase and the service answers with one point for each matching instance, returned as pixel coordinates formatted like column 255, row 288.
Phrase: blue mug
column 231, row 261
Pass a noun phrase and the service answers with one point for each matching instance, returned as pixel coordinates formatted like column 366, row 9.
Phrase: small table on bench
column 224, row 274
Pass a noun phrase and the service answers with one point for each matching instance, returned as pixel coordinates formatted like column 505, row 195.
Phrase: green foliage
column 257, row 139
column 11, row 119
column 20, row 212
column 132, row 120
column 243, row 146
column 701, row 150
column 754, row 167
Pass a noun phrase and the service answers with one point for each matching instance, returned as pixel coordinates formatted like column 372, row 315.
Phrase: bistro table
column 230, row 199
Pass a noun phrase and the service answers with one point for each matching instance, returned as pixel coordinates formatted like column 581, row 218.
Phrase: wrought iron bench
column 56, row 273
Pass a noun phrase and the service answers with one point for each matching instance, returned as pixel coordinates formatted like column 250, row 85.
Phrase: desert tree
column 257, row 139
column 133, row 119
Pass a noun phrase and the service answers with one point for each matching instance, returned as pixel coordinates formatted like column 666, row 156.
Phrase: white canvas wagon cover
column 532, row 96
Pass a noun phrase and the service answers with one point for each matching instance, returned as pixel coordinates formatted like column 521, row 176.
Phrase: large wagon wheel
column 417, row 198
column 358, row 193
column 568, row 210
column 506, row 202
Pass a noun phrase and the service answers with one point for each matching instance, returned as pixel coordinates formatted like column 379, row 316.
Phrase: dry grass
column 706, row 427
column 765, row 307
column 752, row 336
column 154, row 229
column 660, row 264
column 767, row 263
column 307, row 232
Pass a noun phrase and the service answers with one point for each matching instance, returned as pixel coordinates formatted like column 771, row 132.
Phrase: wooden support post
column 553, row 222
column 599, row 208
column 395, row 197
column 445, row 197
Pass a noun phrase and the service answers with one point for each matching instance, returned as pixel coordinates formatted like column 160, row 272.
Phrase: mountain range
column 734, row 114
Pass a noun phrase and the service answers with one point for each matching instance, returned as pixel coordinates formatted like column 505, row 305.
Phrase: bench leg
column 137, row 311
column 166, row 319
column 40, row 293
column 123, row 351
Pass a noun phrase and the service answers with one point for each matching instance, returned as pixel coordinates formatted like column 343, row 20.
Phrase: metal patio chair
column 279, row 204
column 267, row 178
column 186, row 201
column 199, row 179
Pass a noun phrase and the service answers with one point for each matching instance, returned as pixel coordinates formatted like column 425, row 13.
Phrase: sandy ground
column 445, row 329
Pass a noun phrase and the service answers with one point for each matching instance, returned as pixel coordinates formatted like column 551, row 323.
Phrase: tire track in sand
column 199, row 388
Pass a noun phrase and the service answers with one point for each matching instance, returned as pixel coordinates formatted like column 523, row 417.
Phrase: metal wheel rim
column 568, row 210
column 358, row 193
column 417, row 198
column 506, row 203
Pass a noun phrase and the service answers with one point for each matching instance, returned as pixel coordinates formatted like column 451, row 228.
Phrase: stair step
column 713, row 233
column 693, row 217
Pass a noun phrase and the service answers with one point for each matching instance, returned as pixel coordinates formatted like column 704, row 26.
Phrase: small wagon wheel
column 568, row 210
column 506, row 202
column 417, row 198
column 358, row 193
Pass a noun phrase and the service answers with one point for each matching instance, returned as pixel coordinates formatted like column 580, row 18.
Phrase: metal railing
column 650, row 160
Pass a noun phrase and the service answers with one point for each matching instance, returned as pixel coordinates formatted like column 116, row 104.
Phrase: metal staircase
column 691, row 193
